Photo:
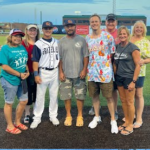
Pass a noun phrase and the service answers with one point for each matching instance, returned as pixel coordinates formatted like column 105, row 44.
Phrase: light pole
column 35, row 15
column 40, row 17
column 77, row 12
column 114, row 6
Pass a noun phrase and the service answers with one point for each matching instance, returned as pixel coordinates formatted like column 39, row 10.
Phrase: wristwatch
column 134, row 81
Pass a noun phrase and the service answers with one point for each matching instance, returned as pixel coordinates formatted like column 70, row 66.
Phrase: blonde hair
column 123, row 28
column 144, row 27
column 9, row 40
column 27, row 38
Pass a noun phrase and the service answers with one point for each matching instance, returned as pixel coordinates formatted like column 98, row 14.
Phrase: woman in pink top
column 31, row 36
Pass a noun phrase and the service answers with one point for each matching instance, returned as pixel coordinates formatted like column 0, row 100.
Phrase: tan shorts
column 95, row 87
column 66, row 88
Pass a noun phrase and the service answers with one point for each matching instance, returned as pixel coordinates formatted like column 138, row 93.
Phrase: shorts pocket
column 5, row 83
column 9, row 91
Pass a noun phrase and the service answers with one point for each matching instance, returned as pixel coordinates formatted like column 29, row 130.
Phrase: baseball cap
column 32, row 26
column 47, row 24
column 69, row 22
column 16, row 32
column 111, row 17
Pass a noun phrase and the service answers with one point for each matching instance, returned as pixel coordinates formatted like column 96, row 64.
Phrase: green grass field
column 57, row 36
column 88, row 99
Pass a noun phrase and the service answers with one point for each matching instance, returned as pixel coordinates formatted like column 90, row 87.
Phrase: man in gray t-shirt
column 72, row 71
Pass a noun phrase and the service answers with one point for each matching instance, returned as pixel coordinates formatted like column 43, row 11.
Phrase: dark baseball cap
column 16, row 32
column 69, row 22
column 111, row 17
column 47, row 24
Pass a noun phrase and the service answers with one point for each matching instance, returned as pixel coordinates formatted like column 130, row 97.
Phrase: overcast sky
column 53, row 10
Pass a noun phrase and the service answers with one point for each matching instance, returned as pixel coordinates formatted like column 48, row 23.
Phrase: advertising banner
column 58, row 29
column 82, row 29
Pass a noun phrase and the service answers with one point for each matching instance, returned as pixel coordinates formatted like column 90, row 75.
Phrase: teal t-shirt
column 16, row 58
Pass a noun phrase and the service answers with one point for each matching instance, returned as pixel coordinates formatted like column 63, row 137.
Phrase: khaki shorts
column 66, row 88
column 95, row 87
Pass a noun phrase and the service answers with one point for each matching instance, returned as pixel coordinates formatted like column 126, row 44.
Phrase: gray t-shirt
column 124, row 60
column 72, row 52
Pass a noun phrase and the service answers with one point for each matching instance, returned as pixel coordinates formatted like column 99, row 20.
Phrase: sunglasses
column 47, row 28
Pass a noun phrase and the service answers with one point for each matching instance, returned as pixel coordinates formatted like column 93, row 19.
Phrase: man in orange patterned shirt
column 101, row 47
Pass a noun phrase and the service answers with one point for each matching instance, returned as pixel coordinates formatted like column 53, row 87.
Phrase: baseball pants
column 49, row 80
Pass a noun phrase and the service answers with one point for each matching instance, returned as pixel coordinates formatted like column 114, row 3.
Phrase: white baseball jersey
column 46, row 53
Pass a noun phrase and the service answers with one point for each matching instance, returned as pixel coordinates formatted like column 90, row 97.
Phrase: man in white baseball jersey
column 45, row 59
column 72, row 71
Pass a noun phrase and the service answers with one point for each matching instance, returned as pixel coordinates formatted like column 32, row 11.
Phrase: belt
column 45, row 68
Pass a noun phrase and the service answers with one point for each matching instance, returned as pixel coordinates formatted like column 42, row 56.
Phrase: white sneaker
column 114, row 127
column 96, row 120
column 91, row 111
column 54, row 121
column 34, row 124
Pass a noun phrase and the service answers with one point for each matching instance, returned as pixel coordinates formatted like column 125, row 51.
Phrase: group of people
column 112, row 61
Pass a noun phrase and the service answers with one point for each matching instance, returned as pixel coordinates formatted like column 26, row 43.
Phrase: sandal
column 137, row 125
column 21, row 126
column 123, row 119
column 68, row 121
column 127, row 132
column 13, row 131
column 122, row 127
column 79, row 122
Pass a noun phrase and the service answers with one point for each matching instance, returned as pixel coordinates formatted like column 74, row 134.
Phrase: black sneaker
column 27, row 119
column 116, row 115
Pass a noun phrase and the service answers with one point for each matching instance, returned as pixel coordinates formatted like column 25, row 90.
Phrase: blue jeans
column 10, row 92
column 31, row 89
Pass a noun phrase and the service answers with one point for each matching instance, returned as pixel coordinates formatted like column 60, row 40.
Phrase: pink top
column 29, row 50
column 114, row 34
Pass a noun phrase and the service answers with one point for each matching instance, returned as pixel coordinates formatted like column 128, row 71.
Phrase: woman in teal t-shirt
column 13, row 59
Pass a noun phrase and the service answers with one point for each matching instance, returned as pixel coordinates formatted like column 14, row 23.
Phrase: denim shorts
column 122, row 81
column 11, row 91
column 115, row 85
column 140, row 82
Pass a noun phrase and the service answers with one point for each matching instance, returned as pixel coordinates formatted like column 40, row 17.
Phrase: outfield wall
column 80, row 29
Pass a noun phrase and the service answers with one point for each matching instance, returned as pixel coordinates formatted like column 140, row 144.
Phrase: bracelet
column 134, row 81
column 36, row 73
